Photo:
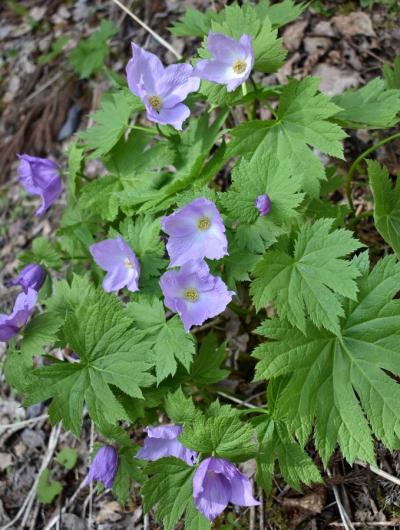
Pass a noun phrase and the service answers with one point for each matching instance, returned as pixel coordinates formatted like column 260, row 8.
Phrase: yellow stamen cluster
column 155, row 102
column 239, row 66
column 191, row 295
column 128, row 264
column 203, row 223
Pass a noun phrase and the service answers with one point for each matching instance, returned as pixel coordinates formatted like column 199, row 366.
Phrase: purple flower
column 217, row 482
column 263, row 204
column 231, row 61
column 104, row 466
column 23, row 307
column 163, row 441
column 195, row 231
column 194, row 293
column 31, row 277
column 117, row 258
column 161, row 89
column 40, row 176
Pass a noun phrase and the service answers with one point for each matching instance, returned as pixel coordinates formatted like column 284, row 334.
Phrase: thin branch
column 369, row 523
column 379, row 472
column 27, row 504
column 343, row 514
column 236, row 400
column 21, row 424
column 147, row 28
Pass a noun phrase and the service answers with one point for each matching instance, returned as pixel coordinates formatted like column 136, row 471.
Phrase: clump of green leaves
column 323, row 318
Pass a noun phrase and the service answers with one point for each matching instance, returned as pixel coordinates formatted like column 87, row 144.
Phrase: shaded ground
column 41, row 106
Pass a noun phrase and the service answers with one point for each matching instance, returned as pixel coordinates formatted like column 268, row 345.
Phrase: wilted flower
column 263, row 204
column 117, row 258
column 23, row 307
column 217, row 482
column 162, row 89
column 194, row 293
column 40, row 176
column 195, row 231
column 163, row 441
column 104, row 466
column 231, row 61
column 31, row 277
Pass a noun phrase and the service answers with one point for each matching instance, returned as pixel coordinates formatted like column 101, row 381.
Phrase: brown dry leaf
column 111, row 511
column 293, row 35
column 301, row 508
column 333, row 80
column 357, row 23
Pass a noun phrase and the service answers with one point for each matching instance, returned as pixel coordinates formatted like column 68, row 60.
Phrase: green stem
column 274, row 114
column 151, row 130
column 353, row 167
column 254, row 409
column 244, row 89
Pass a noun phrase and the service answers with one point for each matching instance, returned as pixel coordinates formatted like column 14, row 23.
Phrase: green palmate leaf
column 194, row 23
column 89, row 56
column 309, row 281
column 341, row 384
column 302, row 121
column 263, row 175
column 206, row 369
column 278, row 445
column 280, row 13
column 44, row 253
column 111, row 355
column 168, row 490
column 47, row 489
column 387, row 204
column 392, row 75
column 223, row 435
column 143, row 235
column 41, row 331
column 56, row 48
column 238, row 264
column 128, row 470
column 111, row 121
column 373, row 106
column 100, row 197
column 168, row 338
column 180, row 408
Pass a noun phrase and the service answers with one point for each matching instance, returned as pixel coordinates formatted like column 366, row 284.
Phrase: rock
column 73, row 522
column 5, row 461
column 333, row 80
column 32, row 439
column 293, row 35
column 357, row 23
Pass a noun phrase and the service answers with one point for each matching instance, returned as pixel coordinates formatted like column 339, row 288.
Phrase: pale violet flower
column 162, row 89
column 104, row 466
column 10, row 325
column 163, row 441
column 195, row 231
column 40, row 176
column 217, row 482
column 231, row 62
column 263, row 204
column 194, row 293
column 31, row 277
column 117, row 258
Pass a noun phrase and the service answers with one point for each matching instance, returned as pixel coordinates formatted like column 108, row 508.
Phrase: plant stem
column 150, row 130
column 357, row 161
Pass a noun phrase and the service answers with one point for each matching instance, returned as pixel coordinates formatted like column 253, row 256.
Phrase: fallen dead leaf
column 293, row 34
column 5, row 461
column 111, row 511
column 357, row 23
column 333, row 80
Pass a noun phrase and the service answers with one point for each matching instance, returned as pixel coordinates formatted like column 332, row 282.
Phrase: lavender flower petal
column 263, row 204
column 194, row 293
column 119, row 261
column 218, row 482
column 195, row 231
column 162, row 90
column 40, row 176
column 163, row 441
column 10, row 325
column 231, row 62
column 31, row 277
column 104, row 466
